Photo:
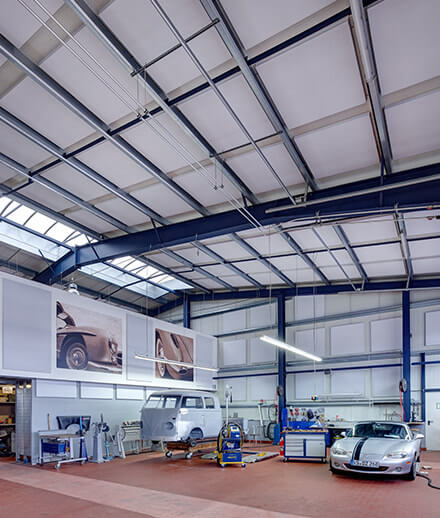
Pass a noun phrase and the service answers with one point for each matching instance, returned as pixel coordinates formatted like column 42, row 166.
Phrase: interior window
column 209, row 402
column 192, row 402
column 171, row 401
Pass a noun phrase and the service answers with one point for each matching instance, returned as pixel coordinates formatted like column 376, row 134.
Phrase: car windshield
column 385, row 430
column 163, row 402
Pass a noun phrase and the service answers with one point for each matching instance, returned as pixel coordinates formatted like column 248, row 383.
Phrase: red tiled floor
column 304, row 489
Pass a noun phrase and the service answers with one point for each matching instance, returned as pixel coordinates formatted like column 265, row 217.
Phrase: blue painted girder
column 357, row 198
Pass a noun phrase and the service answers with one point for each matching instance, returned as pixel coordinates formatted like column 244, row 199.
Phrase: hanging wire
column 142, row 113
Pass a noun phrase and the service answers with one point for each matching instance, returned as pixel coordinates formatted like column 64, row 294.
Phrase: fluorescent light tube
column 290, row 348
column 173, row 362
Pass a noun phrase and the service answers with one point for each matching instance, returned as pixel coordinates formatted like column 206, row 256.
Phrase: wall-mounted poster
column 175, row 347
column 87, row 340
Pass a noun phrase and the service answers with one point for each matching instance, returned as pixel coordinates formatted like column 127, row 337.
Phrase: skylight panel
column 79, row 240
column 40, row 223
column 59, row 232
column 9, row 208
column 4, row 202
column 21, row 214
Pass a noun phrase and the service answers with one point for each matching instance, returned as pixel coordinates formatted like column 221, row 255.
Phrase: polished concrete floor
column 150, row 485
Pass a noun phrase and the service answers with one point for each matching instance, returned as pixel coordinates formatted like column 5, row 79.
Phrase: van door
column 212, row 422
column 193, row 412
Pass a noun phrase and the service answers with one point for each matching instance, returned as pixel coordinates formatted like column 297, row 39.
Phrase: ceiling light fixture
column 173, row 362
column 290, row 348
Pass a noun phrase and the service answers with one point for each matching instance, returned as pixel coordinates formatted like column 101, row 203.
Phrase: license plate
column 365, row 463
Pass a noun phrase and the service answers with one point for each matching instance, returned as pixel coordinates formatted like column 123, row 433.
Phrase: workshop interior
column 219, row 258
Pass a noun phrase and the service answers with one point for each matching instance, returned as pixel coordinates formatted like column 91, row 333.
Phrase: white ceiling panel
column 17, row 24
column 422, row 222
column 211, row 118
column 194, row 255
column 334, row 273
column 425, row 248
column 162, row 200
column 122, row 211
column 143, row 31
column 257, row 20
column 164, row 260
column 34, row 105
column 46, row 197
column 373, row 229
column 268, row 245
column 229, row 250
column 316, row 78
column 385, row 269
column 411, row 54
column 89, row 220
column 322, row 259
column 267, row 279
column 115, row 165
column 74, row 182
column 201, row 185
column 307, row 239
column 341, row 147
column 252, row 267
column 255, row 174
column 237, row 281
column 383, row 252
column 422, row 266
column 218, row 270
column 6, row 172
column 154, row 141
column 21, row 149
column 414, row 126
column 66, row 68
column 208, row 283
column 289, row 264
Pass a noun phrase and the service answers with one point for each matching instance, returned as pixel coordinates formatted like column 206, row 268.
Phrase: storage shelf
column 7, row 402
column 6, row 424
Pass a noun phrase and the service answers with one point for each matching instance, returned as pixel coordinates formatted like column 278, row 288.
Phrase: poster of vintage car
column 87, row 340
column 177, row 348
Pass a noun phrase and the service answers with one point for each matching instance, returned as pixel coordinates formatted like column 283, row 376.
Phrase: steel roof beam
column 225, row 263
column 254, row 253
column 31, row 134
column 353, row 256
column 105, row 34
column 21, row 169
column 369, row 65
column 410, row 189
column 194, row 267
column 295, row 246
column 233, row 44
column 59, row 92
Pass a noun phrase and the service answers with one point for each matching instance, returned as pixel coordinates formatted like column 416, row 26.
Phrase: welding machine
column 229, row 443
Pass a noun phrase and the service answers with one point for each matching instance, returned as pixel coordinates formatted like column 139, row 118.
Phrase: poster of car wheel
column 174, row 347
column 88, row 340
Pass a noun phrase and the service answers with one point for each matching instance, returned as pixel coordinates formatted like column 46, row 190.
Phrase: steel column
column 281, row 356
column 186, row 312
column 406, row 353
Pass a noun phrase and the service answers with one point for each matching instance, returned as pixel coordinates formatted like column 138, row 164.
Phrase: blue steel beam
column 353, row 256
column 281, row 353
column 254, row 253
column 31, row 134
column 406, row 353
column 186, row 262
column 233, row 44
column 230, row 266
column 104, row 33
column 51, row 186
column 59, row 92
column 413, row 188
column 295, row 246
column 186, row 313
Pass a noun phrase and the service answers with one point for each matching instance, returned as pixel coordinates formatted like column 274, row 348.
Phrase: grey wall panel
column 205, row 357
column 27, row 327
column 139, row 340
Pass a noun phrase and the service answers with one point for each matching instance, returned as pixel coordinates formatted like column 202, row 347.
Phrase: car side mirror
column 419, row 436
column 343, row 434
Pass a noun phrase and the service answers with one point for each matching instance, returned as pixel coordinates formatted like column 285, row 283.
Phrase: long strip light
column 290, row 348
column 173, row 362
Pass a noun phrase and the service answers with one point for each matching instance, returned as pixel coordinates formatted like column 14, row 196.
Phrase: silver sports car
column 377, row 447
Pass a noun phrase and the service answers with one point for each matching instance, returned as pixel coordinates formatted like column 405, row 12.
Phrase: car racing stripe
column 357, row 449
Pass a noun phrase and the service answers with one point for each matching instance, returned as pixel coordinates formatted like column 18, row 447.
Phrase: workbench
column 305, row 444
column 58, row 446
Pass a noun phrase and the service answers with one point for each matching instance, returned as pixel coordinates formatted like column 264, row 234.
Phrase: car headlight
column 397, row 455
column 340, row 451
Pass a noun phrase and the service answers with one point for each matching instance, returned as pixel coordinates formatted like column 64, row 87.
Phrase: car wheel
column 75, row 355
column 161, row 367
column 412, row 473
